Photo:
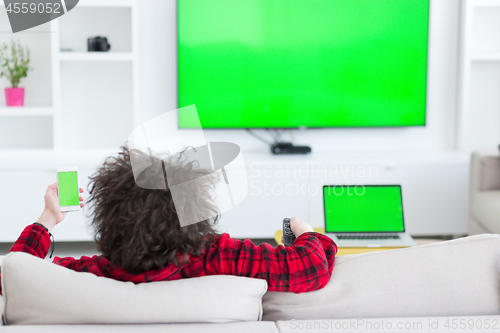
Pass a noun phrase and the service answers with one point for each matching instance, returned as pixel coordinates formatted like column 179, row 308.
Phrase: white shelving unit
column 26, row 111
column 92, row 111
column 479, row 97
column 79, row 108
column 85, row 56
column 485, row 56
column 79, row 94
column 106, row 3
column 486, row 3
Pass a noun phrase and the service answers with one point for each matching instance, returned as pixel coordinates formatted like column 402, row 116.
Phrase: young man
column 137, row 231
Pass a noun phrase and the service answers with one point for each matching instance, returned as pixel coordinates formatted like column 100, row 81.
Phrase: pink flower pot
column 14, row 96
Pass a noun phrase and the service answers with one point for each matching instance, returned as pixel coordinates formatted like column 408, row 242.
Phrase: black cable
column 258, row 137
column 270, row 131
column 278, row 135
column 52, row 245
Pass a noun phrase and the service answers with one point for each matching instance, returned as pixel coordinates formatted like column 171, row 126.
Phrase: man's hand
column 299, row 227
column 52, row 214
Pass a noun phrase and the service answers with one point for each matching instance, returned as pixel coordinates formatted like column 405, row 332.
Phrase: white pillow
column 39, row 292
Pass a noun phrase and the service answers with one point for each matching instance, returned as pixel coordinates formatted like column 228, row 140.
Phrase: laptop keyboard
column 368, row 236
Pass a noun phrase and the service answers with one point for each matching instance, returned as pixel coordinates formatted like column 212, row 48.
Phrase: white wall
column 159, row 86
column 158, row 78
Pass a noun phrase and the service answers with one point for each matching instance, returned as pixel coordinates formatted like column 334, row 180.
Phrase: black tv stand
column 287, row 148
column 281, row 148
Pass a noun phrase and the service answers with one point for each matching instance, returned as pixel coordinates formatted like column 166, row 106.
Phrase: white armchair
column 484, row 196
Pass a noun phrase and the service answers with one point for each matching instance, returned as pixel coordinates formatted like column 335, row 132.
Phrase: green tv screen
column 303, row 63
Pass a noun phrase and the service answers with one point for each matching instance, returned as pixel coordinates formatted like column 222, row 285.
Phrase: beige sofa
column 447, row 286
column 484, row 196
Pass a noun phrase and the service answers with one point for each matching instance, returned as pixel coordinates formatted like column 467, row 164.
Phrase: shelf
column 105, row 3
column 25, row 111
column 95, row 56
column 486, row 56
column 486, row 3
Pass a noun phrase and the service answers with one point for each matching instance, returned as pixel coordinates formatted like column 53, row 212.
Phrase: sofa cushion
column 453, row 278
column 485, row 208
column 240, row 327
column 39, row 292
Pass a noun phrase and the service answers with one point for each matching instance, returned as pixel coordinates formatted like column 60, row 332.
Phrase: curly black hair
column 137, row 228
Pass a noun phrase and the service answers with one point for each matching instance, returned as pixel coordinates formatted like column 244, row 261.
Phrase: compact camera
column 98, row 44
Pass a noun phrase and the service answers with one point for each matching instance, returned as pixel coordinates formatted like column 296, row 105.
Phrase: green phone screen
column 363, row 208
column 68, row 188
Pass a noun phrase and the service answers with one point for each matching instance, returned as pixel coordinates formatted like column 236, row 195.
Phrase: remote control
column 288, row 237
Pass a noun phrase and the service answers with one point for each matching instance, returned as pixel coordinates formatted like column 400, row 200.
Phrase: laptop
column 365, row 216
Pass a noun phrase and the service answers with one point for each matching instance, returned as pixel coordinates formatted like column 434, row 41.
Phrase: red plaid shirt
column 304, row 266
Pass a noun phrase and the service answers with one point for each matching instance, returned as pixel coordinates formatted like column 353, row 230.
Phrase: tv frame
column 313, row 127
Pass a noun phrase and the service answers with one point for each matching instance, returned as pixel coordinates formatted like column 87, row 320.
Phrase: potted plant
column 14, row 62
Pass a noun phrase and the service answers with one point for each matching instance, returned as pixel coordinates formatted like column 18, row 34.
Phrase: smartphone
column 68, row 188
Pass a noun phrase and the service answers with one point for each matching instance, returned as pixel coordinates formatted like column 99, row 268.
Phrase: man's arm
column 52, row 215
column 306, row 265
column 35, row 239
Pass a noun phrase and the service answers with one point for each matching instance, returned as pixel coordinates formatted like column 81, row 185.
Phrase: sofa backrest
column 36, row 291
column 452, row 278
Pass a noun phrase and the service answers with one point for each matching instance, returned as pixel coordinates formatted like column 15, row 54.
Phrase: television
column 303, row 63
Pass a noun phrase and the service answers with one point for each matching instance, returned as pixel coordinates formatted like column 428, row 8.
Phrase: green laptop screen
column 363, row 208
